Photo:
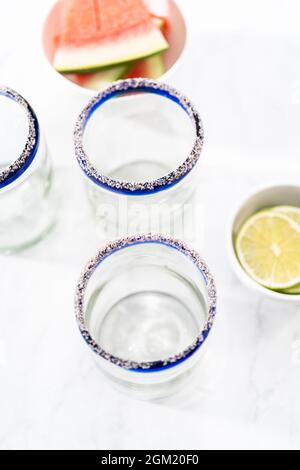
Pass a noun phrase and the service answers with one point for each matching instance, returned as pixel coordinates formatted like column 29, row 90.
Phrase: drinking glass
column 27, row 204
column 138, row 143
column 146, row 305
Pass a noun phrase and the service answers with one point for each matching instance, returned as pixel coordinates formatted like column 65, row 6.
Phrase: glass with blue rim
column 145, row 305
column 138, row 143
column 27, row 202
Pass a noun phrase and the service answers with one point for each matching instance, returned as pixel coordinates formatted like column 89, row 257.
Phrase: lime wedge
column 268, row 248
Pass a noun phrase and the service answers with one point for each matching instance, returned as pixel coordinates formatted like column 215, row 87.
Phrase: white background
column 242, row 70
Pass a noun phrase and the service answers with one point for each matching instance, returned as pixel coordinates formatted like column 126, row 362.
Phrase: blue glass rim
column 123, row 243
column 15, row 169
column 139, row 85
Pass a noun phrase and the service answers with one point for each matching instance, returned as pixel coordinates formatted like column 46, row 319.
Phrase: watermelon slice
column 153, row 67
column 101, row 33
column 99, row 80
column 159, row 22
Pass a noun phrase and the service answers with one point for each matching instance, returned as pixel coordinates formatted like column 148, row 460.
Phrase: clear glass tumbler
column 138, row 143
column 27, row 204
column 146, row 305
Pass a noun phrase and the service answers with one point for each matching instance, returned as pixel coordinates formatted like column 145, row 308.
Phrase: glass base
column 29, row 227
column 17, row 248
column 28, row 211
column 154, row 391
column 147, row 326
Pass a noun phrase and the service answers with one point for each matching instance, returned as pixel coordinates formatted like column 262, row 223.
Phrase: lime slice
column 294, row 214
column 290, row 211
column 268, row 247
column 292, row 290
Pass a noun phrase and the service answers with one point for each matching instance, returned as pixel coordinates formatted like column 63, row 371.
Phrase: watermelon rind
column 159, row 22
column 155, row 67
column 152, row 67
column 89, row 58
column 99, row 80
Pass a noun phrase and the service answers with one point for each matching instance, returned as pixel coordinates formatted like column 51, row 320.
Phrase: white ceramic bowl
column 177, row 38
column 284, row 194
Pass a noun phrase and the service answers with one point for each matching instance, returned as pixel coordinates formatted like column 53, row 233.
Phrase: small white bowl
column 285, row 194
column 177, row 37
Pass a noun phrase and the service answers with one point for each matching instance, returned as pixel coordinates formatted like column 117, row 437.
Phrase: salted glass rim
column 121, row 88
column 16, row 168
column 123, row 243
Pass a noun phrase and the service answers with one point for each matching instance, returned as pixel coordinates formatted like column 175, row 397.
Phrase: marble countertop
column 242, row 69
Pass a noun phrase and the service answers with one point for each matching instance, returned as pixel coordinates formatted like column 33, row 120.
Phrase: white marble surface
column 242, row 69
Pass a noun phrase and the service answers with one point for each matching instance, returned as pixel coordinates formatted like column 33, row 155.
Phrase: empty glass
column 146, row 305
column 27, row 207
column 138, row 143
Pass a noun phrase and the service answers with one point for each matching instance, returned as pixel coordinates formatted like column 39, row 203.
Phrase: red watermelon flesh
column 100, row 33
column 89, row 21
column 162, row 24
column 152, row 67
